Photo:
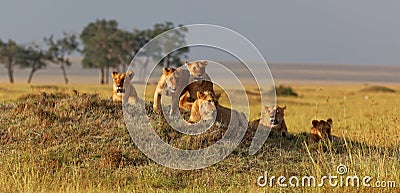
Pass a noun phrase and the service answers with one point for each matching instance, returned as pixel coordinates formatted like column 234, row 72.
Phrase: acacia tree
column 176, row 38
column 32, row 57
column 59, row 50
column 8, row 55
column 105, row 46
column 100, row 47
column 124, row 48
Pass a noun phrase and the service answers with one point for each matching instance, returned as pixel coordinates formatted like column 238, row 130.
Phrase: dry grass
column 57, row 140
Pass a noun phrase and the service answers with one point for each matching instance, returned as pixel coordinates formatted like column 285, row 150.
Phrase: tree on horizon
column 8, row 55
column 99, row 39
column 32, row 57
column 59, row 50
column 175, row 39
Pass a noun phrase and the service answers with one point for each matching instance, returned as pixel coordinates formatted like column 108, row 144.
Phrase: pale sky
column 304, row 31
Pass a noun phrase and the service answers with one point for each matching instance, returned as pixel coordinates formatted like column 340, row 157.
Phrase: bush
column 378, row 89
column 285, row 91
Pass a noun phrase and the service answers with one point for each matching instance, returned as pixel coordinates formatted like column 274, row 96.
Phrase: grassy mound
column 376, row 88
column 84, row 128
column 69, row 129
column 76, row 141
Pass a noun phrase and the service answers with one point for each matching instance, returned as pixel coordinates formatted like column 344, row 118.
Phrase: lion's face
column 129, row 75
column 197, row 69
column 171, row 79
column 324, row 127
column 276, row 116
column 118, row 79
column 207, row 105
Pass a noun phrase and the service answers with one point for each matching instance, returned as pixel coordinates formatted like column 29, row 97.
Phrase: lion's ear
column 217, row 96
column 284, row 107
column 187, row 64
column 266, row 108
column 205, row 62
column 314, row 123
column 199, row 95
column 165, row 70
column 130, row 74
column 329, row 121
column 114, row 73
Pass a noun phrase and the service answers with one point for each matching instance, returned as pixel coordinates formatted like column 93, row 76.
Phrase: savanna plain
column 72, row 138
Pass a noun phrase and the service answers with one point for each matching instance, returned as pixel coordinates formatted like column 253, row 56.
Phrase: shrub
column 378, row 89
column 285, row 91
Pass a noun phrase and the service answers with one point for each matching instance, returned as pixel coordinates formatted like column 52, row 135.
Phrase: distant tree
column 106, row 46
column 175, row 39
column 101, row 47
column 8, row 55
column 59, row 50
column 126, row 46
column 32, row 57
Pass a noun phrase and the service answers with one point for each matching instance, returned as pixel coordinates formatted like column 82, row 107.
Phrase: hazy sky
column 329, row 31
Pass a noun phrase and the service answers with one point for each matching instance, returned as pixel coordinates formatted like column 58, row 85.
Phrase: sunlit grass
column 61, row 144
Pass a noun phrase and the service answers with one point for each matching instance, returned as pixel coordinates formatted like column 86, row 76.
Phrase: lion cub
column 123, row 90
column 321, row 130
column 273, row 118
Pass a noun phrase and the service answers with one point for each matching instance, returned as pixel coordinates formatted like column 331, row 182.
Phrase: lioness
column 171, row 83
column 130, row 95
column 273, row 118
column 123, row 90
column 321, row 130
column 199, row 81
column 118, row 85
column 174, row 83
column 206, row 107
column 197, row 70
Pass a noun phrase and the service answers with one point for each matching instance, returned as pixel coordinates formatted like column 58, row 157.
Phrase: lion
column 171, row 83
column 273, row 118
column 198, row 81
column 123, row 90
column 206, row 107
column 197, row 70
column 321, row 130
column 176, row 82
column 118, row 79
column 130, row 94
column 203, row 108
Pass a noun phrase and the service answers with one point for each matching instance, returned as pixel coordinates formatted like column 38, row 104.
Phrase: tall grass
column 65, row 141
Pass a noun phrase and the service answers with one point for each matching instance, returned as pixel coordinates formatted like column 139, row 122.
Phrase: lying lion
column 123, row 90
column 321, row 130
column 176, row 83
column 206, row 107
column 273, row 118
